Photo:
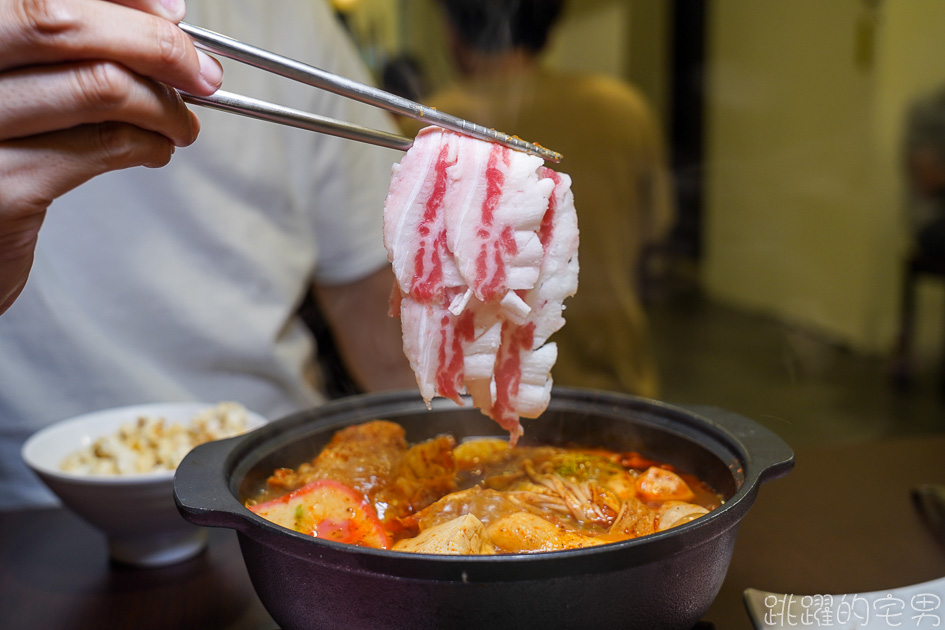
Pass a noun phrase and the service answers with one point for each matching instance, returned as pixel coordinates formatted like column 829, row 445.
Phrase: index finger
column 54, row 31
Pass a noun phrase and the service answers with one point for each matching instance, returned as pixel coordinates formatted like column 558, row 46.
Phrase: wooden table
column 842, row 521
column 55, row 574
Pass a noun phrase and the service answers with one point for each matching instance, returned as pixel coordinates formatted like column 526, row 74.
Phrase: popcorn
column 150, row 443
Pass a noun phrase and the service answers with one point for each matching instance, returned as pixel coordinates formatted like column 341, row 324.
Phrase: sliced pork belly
column 483, row 241
column 522, row 375
column 425, row 270
column 558, row 274
column 433, row 349
column 481, row 335
column 498, row 205
column 414, row 224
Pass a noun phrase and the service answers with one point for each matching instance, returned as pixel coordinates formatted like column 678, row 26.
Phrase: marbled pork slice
column 433, row 348
column 495, row 209
column 484, row 245
column 558, row 273
column 453, row 354
column 522, row 384
column 480, row 331
column 425, row 271
column 414, row 227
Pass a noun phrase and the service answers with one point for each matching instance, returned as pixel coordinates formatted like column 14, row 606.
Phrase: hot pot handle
column 201, row 487
column 765, row 452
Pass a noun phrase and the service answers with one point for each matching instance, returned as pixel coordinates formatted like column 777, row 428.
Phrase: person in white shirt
column 183, row 283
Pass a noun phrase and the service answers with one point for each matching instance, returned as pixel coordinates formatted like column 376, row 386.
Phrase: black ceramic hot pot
column 661, row 581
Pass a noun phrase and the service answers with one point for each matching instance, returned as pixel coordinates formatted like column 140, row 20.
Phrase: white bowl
column 136, row 512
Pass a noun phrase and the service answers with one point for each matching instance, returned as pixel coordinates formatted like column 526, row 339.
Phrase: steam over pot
column 662, row 581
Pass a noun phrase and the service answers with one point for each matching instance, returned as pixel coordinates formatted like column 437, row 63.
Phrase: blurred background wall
column 804, row 199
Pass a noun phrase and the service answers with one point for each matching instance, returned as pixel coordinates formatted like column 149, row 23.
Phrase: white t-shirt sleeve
column 347, row 181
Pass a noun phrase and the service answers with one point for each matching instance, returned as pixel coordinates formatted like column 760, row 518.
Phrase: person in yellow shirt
column 614, row 153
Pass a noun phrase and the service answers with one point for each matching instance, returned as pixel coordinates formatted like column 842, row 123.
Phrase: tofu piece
column 462, row 536
column 673, row 513
column 524, row 532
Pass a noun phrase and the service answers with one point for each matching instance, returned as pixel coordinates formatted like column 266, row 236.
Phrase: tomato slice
column 330, row 510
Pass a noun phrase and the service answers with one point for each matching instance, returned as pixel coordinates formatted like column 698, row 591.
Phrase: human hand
column 86, row 87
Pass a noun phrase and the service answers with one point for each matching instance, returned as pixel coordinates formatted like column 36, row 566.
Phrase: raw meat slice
column 433, row 348
column 492, row 228
column 558, row 276
column 522, row 375
column 414, row 225
column 483, row 241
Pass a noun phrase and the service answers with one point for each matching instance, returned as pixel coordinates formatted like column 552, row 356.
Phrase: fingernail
column 210, row 69
column 174, row 7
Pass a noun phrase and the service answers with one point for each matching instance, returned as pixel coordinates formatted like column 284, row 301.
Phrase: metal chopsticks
column 264, row 110
column 271, row 62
